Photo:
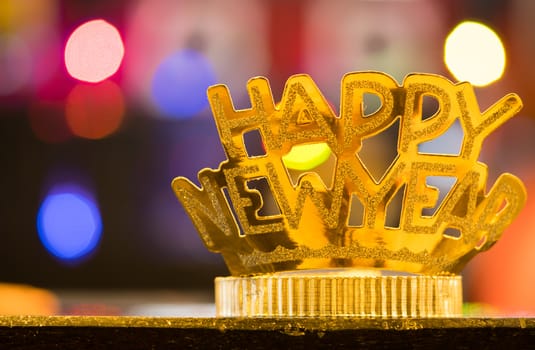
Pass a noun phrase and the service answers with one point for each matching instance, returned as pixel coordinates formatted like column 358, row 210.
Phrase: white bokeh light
column 473, row 52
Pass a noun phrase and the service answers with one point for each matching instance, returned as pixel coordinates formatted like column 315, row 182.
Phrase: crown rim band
column 330, row 294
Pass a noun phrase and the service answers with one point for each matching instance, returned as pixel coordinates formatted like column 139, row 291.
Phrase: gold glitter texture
column 311, row 228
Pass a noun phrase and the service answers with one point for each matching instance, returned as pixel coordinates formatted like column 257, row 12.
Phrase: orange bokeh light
column 503, row 277
column 95, row 111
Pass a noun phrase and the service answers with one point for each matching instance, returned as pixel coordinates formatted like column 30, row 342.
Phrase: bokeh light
column 473, row 52
column 232, row 35
column 29, row 34
column 306, row 156
column 95, row 111
column 69, row 223
column 94, row 51
column 450, row 142
column 15, row 70
column 180, row 82
column 396, row 37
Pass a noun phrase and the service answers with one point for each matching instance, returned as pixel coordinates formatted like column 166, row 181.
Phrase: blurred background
column 103, row 103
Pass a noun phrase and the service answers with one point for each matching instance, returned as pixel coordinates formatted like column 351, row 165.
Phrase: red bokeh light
column 95, row 111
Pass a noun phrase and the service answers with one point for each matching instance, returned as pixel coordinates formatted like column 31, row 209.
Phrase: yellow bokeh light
column 307, row 156
column 474, row 52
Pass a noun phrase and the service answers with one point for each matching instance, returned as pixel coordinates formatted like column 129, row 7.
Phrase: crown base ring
column 339, row 292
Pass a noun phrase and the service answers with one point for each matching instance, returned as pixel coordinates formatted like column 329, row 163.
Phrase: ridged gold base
column 336, row 293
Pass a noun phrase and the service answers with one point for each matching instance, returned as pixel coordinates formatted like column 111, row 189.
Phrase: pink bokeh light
column 94, row 51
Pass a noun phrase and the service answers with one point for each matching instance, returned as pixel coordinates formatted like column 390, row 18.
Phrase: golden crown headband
column 308, row 259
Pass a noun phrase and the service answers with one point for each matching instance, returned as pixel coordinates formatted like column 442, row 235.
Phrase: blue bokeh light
column 450, row 142
column 180, row 82
column 69, row 224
